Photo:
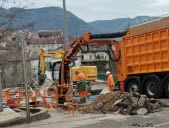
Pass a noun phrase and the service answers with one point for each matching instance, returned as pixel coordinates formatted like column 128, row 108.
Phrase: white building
column 95, row 55
column 47, row 39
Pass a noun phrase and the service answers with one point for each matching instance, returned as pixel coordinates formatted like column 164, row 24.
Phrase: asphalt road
column 65, row 120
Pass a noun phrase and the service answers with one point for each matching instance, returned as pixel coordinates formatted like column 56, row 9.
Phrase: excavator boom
column 92, row 40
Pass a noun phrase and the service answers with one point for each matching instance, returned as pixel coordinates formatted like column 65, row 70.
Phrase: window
column 102, row 56
column 82, row 57
column 13, row 39
column 90, row 56
column 28, row 43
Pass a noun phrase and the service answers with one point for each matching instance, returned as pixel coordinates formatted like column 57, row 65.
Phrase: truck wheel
column 152, row 88
column 166, row 87
column 133, row 86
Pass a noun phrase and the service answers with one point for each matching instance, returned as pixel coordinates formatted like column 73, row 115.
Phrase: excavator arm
column 92, row 40
column 42, row 55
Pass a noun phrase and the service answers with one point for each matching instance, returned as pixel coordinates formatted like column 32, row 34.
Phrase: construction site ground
column 65, row 120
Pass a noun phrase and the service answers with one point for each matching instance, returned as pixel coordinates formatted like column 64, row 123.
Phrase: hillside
column 51, row 18
column 119, row 24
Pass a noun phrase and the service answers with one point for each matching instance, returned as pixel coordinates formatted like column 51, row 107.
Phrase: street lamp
column 65, row 26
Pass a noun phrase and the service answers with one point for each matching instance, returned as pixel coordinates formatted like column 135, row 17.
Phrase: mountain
column 119, row 24
column 51, row 18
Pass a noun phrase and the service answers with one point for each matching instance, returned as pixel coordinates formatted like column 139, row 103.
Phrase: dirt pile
column 123, row 103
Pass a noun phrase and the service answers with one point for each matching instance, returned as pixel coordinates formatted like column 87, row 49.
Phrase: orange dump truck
column 141, row 57
column 145, row 59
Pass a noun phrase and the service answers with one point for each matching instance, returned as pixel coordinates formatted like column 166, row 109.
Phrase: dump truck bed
column 147, row 51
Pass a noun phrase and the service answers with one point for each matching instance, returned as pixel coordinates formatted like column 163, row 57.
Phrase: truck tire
column 166, row 87
column 133, row 86
column 153, row 87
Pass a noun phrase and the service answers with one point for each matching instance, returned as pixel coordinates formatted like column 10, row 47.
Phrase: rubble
column 142, row 100
column 123, row 103
column 142, row 111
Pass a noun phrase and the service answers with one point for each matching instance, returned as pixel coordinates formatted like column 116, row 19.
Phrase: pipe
column 108, row 35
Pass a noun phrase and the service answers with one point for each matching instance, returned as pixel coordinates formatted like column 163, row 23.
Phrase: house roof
column 29, row 35
column 49, row 32
column 42, row 41
column 59, row 40
column 11, row 43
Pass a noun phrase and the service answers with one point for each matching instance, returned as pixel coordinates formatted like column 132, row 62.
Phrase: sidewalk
column 9, row 115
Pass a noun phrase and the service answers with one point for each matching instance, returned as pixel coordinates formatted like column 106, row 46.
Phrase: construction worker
column 110, row 81
column 81, row 86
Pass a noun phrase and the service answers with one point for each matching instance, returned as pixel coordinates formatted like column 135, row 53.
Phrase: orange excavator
column 92, row 40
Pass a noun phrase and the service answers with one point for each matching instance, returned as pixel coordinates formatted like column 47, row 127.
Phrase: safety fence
column 44, row 97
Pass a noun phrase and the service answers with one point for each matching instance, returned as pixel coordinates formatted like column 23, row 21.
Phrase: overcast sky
column 90, row 10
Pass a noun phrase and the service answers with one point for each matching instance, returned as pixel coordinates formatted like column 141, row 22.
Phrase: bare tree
column 12, row 68
column 14, row 12
column 11, row 11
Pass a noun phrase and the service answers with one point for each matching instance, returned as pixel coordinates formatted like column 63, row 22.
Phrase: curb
column 41, row 115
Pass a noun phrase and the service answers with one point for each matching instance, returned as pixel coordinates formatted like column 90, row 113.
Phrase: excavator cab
column 55, row 69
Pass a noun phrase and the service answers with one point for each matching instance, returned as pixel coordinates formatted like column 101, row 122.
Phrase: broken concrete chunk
column 120, row 110
column 135, row 100
column 123, row 103
column 99, row 106
column 142, row 100
column 156, row 106
column 122, row 96
column 118, row 101
column 135, row 94
column 129, row 108
column 142, row 111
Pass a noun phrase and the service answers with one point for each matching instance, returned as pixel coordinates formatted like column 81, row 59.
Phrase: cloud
column 90, row 10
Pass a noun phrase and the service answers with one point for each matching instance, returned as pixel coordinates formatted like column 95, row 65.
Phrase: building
column 100, row 58
column 95, row 55
column 12, row 69
column 50, row 33
column 48, row 44
column 3, row 50
column 34, row 59
column 46, row 39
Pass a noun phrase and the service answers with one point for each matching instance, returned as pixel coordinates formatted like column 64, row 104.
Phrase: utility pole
column 65, row 26
column 25, row 81
column 1, row 101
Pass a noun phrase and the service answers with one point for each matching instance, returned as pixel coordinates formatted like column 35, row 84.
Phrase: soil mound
column 123, row 103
